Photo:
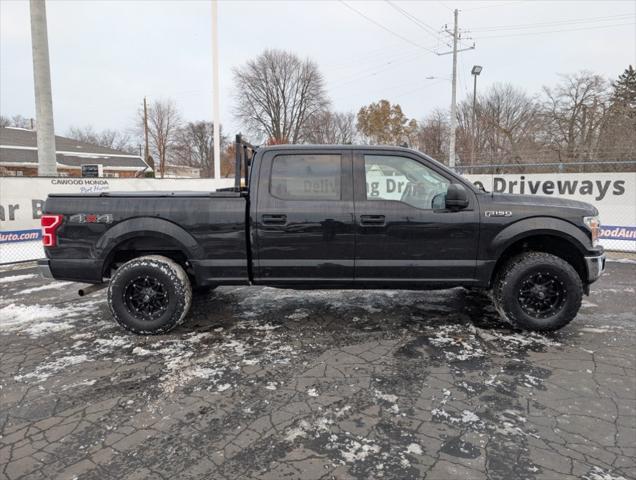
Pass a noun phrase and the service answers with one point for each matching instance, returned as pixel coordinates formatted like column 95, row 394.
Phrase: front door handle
column 269, row 219
column 372, row 220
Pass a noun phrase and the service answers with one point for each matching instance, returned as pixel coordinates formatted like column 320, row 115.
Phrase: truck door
column 404, row 234
column 304, row 219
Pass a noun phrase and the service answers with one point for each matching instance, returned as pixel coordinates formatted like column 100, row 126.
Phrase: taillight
column 50, row 223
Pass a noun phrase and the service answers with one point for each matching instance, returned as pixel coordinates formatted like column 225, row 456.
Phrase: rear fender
column 147, row 227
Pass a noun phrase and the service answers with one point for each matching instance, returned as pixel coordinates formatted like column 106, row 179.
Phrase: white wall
column 21, row 200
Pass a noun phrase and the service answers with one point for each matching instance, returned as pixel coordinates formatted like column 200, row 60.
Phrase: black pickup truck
column 306, row 216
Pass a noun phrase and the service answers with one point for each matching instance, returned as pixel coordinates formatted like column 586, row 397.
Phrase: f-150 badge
column 498, row 213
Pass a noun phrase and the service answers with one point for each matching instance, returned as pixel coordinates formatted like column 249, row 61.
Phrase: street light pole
column 476, row 70
column 215, row 92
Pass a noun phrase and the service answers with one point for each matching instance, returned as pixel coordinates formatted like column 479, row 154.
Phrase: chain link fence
column 610, row 186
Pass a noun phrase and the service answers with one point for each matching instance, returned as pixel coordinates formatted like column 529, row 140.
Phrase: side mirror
column 456, row 197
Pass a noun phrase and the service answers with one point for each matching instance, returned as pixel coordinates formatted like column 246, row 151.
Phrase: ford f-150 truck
column 346, row 217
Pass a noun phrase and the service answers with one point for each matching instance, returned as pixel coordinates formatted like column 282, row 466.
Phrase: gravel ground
column 263, row 383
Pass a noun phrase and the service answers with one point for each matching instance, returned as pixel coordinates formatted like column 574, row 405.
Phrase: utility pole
column 215, row 95
column 451, row 158
column 146, row 149
column 455, row 33
column 47, row 165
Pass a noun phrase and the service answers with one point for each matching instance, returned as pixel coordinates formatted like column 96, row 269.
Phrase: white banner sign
column 614, row 194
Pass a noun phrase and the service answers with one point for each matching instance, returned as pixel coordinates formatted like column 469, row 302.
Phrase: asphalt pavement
column 262, row 383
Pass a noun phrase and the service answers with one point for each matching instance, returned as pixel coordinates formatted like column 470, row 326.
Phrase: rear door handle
column 269, row 219
column 372, row 220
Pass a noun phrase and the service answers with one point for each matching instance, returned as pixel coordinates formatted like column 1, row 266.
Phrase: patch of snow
column 594, row 330
column 105, row 344
column 14, row 315
column 599, row 474
column 312, row 392
column 414, row 449
column 17, row 278
column 469, row 417
column 271, row 385
column 356, row 451
column 622, row 260
column 43, row 328
column 45, row 370
column 224, row 387
column 48, row 286
column 386, row 396
column 299, row 314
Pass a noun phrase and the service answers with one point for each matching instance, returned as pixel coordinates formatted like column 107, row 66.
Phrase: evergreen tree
column 618, row 136
column 624, row 95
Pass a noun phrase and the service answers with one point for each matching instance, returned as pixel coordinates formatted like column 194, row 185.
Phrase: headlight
column 594, row 224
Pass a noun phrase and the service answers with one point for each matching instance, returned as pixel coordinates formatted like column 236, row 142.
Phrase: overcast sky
column 106, row 55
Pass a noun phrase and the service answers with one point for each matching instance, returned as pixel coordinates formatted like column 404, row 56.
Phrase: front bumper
column 44, row 268
column 595, row 267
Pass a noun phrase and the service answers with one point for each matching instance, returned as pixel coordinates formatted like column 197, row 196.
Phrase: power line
column 383, row 67
column 445, row 6
column 424, row 26
column 572, row 21
column 492, row 6
column 385, row 28
column 555, row 31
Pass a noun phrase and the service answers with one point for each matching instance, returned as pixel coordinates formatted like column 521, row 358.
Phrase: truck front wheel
column 538, row 291
column 149, row 295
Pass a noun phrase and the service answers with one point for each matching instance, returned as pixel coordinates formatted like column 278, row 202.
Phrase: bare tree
column 194, row 146
column 106, row 138
column 506, row 126
column 329, row 127
column 432, row 134
column 17, row 121
column 573, row 114
column 276, row 94
column 163, row 124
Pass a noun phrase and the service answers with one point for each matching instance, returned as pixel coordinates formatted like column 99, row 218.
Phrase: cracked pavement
column 262, row 383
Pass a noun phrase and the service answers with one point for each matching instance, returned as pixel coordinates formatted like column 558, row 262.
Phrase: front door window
column 390, row 177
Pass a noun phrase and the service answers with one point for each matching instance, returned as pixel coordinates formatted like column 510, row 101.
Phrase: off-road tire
column 511, row 277
column 173, row 280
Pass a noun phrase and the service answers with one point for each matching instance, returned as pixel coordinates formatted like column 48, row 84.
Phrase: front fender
column 534, row 226
column 147, row 227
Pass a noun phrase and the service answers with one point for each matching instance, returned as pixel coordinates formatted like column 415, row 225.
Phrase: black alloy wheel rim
column 541, row 295
column 146, row 298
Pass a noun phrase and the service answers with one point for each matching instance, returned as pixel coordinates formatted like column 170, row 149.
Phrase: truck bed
column 210, row 227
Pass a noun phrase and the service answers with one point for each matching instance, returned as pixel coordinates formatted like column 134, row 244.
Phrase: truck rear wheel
column 149, row 295
column 538, row 291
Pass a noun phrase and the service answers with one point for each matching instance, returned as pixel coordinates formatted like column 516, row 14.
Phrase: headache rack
column 244, row 154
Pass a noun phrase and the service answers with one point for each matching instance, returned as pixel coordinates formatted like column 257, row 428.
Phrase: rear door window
column 306, row 177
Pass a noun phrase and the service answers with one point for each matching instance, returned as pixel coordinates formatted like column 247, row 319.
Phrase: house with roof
column 19, row 156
